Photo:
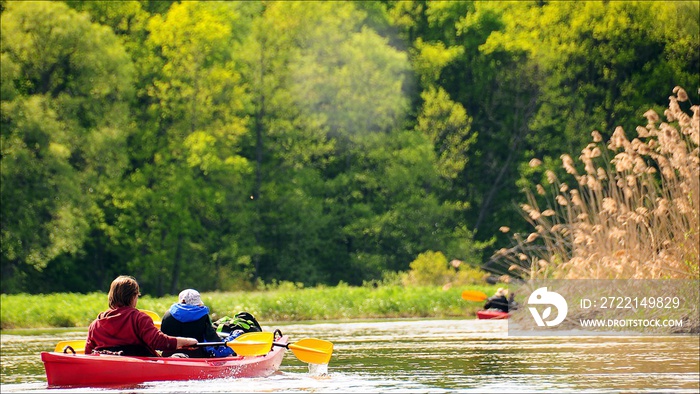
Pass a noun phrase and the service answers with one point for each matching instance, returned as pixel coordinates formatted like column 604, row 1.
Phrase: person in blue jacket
column 189, row 317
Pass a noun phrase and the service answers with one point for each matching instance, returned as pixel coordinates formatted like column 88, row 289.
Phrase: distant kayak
column 492, row 315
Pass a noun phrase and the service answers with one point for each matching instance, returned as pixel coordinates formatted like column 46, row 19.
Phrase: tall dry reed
column 634, row 213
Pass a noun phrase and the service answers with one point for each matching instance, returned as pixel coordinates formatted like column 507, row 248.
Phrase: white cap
column 190, row 297
column 501, row 292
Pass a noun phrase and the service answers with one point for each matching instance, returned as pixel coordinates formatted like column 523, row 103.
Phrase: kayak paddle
column 310, row 350
column 248, row 344
column 474, row 295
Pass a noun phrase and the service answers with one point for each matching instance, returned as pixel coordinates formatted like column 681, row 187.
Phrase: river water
column 423, row 356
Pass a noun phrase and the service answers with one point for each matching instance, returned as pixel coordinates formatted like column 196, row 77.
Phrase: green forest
column 220, row 145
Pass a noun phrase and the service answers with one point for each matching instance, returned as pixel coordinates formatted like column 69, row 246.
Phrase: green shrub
column 429, row 268
column 432, row 268
column 467, row 275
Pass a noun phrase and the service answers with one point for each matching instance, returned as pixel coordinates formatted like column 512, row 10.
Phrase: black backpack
column 243, row 321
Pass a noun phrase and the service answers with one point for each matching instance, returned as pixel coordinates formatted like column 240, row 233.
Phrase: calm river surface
column 424, row 356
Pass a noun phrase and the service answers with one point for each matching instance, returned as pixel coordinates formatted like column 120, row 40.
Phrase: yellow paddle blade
column 154, row 316
column 474, row 295
column 78, row 346
column 252, row 343
column 312, row 351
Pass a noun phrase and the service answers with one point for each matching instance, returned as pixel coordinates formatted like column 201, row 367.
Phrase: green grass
column 309, row 304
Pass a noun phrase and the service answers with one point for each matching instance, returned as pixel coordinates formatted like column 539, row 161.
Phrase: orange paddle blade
column 474, row 295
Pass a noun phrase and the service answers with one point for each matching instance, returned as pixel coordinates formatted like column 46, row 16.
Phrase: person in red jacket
column 123, row 329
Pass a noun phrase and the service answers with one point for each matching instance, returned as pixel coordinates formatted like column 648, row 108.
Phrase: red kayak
column 80, row 370
column 489, row 314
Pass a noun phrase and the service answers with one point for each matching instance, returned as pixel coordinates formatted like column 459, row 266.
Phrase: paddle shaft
column 201, row 344
column 80, row 345
column 285, row 345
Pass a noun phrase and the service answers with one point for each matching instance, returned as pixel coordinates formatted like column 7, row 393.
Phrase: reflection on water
column 427, row 356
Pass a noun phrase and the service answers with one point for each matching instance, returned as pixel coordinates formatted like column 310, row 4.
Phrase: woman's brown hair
column 122, row 291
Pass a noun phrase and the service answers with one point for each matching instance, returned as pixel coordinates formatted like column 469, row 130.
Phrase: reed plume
column 635, row 211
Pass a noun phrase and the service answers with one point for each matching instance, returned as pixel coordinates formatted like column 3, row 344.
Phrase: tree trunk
column 176, row 265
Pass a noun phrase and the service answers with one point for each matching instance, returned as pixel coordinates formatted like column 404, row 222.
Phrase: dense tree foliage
column 212, row 144
column 66, row 89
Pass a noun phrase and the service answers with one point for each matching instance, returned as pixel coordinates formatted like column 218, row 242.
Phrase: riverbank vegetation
column 220, row 145
column 282, row 302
